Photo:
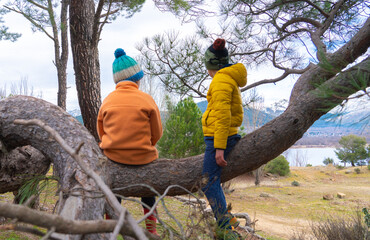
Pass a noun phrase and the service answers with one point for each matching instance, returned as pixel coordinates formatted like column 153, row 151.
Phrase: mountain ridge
column 330, row 125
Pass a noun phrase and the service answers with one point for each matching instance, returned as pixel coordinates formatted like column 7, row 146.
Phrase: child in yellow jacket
column 129, row 123
column 220, row 123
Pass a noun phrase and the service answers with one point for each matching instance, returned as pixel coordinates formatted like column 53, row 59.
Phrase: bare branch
column 48, row 234
column 96, row 22
column 20, row 228
column 62, row 225
column 331, row 16
column 38, row 5
column 121, row 221
column 105, row 15
column 301, row 19
column 286, row 73
column 325, row 14
column 109, row 12
column 316, row 36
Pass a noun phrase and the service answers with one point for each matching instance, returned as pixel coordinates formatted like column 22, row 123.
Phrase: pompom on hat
column 125, row 68
column 216, row 56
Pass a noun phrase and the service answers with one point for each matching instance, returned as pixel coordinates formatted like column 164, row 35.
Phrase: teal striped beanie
column 125, row 68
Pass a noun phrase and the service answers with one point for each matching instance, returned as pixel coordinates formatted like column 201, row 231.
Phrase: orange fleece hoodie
column 129, row 125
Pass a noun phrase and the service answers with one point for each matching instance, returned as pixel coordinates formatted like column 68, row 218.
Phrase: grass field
column 277, row 208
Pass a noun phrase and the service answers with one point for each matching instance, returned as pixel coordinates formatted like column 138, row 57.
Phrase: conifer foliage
column 182, row 134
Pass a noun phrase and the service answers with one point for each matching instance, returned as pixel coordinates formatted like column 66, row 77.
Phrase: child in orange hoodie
column 129, row 123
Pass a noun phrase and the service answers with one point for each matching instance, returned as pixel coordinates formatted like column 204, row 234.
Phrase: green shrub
column 278, row 165
column 295, row 183
column 328, row 161
column 308, row 165
column 367, row 217
column 368, row 167
column 339, row 166
column 357, row 170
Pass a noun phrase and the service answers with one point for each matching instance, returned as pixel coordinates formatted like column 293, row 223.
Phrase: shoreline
column 314, row 146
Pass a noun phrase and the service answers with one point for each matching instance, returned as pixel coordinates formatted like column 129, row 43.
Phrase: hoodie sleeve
column 155, row 124
column 222, row 96
column 99, row 126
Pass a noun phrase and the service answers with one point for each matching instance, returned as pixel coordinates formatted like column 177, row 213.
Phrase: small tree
column 328, row 161
column 353, row 149
column 43, row 17
column 278, row 166
column 182, row 135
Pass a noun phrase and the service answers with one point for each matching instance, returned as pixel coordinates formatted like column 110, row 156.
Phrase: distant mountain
column 355, row 120
column 77, row 114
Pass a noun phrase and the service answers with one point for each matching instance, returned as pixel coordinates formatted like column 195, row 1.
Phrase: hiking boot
column 227, row 234
column 233, row 221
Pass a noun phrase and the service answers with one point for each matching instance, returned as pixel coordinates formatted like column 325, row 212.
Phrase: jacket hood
column 238, row 72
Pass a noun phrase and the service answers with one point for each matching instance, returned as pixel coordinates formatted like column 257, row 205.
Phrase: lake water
column 300, row 157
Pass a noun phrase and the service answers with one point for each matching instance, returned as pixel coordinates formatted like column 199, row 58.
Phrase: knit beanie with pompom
column 216, row 56
column 125, row 68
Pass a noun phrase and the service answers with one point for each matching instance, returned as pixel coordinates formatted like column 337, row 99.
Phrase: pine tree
column 182, row 135
column 353, row 149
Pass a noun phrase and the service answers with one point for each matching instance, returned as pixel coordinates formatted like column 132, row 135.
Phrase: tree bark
column 85, row 61
column 20, row 164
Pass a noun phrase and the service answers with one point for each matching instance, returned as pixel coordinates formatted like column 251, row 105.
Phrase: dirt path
column 280, row 227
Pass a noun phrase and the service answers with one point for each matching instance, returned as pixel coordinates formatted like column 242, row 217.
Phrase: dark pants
column 149, row 201
column 213, row 189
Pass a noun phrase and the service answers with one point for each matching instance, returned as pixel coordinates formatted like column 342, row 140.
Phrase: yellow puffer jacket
column 224, row 112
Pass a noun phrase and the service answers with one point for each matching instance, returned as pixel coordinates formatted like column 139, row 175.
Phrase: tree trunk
column 85, row 61
column 62, row 60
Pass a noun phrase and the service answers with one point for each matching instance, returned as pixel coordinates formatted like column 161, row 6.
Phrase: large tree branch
column 19, row 165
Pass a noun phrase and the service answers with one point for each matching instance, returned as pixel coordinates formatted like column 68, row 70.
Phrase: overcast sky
column 31, row 57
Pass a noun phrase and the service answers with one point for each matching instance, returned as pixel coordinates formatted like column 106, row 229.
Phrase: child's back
column 129, row 125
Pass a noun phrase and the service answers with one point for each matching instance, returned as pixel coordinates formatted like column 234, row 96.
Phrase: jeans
column 213, row 189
